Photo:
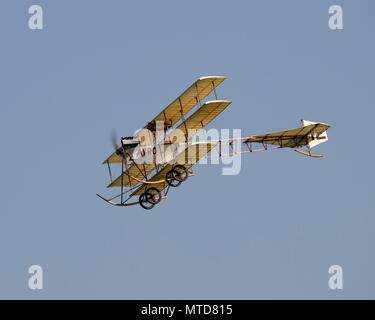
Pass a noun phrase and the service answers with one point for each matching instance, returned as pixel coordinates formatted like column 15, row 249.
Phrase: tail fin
column 315, row 138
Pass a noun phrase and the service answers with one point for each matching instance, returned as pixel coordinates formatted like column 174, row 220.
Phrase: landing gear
column 180, row 173
column 144, row 202
column 174, row 178
column 155, row 195
column 149, row 198
column 176, row 175
column 171, row 180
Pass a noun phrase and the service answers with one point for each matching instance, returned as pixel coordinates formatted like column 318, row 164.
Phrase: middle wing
column 199, row 119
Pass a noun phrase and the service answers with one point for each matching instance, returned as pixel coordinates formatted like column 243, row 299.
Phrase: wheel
column 144, row 201
column 171, row 180
column 179, row 173
column 154, row 195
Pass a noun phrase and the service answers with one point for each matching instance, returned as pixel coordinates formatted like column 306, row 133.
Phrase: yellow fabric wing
column 134, row 171
column 199, row 90
column 199, row 119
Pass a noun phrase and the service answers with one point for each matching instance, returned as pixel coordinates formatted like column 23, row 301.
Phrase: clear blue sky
column 270, row 232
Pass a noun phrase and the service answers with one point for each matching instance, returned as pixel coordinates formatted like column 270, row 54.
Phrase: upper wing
column 199, row 90
column 200, row 118
column 291, row 138
column 187, row 158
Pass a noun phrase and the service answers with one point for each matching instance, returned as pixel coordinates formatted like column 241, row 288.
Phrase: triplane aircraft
column 163, row 153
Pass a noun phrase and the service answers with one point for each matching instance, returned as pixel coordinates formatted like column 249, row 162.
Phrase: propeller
column 114, row 139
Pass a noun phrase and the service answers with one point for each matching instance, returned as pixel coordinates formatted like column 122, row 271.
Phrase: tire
column 180, row 173
column 171, row 180
column 152, row 192
column 144, row 201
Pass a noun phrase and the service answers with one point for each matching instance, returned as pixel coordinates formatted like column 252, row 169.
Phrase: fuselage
column 153, row 154
column 161, row 153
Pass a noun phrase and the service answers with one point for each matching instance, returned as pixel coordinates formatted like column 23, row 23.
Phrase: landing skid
column 122, row 204
column 309, row 154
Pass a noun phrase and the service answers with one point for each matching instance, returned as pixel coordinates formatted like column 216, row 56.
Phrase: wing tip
column 213, row 77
